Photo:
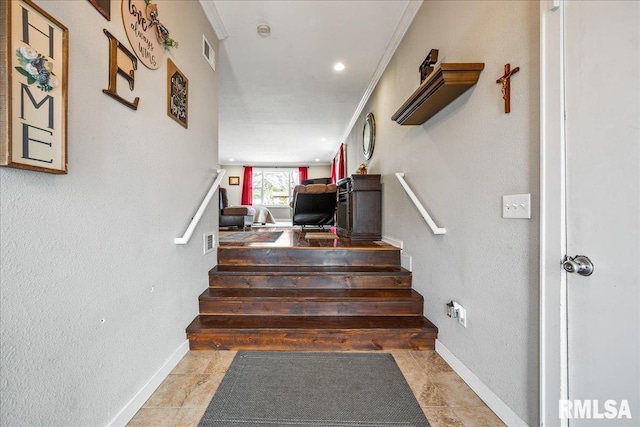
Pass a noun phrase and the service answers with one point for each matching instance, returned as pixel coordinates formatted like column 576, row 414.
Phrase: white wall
column 460, row 163
column 234, row 192
column 320, row 171
column 98, row 243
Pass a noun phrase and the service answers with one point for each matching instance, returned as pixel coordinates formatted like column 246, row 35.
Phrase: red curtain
column 338, row 165
column 334, row 176
column 303, row 173
column 342, row 168
column 247, row 186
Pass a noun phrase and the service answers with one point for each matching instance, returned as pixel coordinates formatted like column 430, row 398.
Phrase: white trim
column 396, row 38
column 406, row 261
column 405, row 258
column 133, row 406
column 500, row 408
column 393, row 241
column 215, row 19
column 553, row 319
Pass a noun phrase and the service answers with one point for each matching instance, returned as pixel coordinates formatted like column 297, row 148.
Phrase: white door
column 602, row 98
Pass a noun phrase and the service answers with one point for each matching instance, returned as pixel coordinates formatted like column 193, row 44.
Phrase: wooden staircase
column 310, row 299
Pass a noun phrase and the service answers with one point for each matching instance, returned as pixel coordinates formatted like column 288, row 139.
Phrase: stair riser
column 346, row 281
column 308, row 257
column 312, row 308
column 358, row 340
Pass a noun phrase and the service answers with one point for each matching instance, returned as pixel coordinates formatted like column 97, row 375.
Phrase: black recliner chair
column 314, row 205
column 234, row 216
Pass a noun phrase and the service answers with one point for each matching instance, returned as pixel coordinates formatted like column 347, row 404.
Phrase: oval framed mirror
column 369, row 136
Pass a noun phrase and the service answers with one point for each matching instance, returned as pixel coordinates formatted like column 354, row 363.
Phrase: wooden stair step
column 311, row 333
column 313, row 302
column 336, row 296
column 277, row 276
column 382, row 256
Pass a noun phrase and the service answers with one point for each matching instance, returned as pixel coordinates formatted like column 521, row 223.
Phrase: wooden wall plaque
column 34, row 54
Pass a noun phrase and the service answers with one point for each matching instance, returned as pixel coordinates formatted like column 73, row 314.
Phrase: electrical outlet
column 462, row 316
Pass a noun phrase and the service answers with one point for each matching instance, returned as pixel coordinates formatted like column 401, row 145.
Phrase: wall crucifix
column 505, row 80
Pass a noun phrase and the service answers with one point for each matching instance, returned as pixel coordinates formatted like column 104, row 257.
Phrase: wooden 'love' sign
column 141, row 34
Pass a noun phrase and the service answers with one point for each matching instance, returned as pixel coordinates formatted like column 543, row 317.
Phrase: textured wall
column 460, row 163
column 98, row 243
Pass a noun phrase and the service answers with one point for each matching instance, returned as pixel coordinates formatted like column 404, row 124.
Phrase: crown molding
column 401, row 29
column 215, row 19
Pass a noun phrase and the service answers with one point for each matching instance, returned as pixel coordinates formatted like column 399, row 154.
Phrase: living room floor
column 185, row 394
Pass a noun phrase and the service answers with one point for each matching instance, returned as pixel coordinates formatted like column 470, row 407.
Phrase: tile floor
column 183, row 397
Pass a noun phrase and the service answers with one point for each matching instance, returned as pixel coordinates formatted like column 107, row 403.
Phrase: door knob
column 579, row 264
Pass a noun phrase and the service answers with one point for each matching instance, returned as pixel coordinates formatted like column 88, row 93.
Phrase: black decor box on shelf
column 360, row 207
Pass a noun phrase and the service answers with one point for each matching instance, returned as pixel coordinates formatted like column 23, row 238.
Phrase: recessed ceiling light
column 317, row 160
column 231, row 160
column 339, row 66
column 323, row 139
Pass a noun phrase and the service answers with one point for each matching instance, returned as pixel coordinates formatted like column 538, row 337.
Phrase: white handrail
column 194, row 221
column 423, row 211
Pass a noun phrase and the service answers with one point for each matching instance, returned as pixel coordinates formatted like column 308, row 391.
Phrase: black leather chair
column 314, row 205
column 234, row 216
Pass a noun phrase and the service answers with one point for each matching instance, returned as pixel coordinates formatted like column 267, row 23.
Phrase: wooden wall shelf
column 445, row 84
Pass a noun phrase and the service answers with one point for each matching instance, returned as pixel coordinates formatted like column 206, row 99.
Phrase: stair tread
column 355, row 296
column 309, row 294
column 212, row 323
column 256, row 270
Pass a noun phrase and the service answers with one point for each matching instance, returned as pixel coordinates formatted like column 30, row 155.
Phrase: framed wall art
column 141, row 34
column 234, row 180
column 177, row 94
column 103, row 6
column 34, row 51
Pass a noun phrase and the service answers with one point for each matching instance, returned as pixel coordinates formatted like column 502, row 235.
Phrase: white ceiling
column 279, row 96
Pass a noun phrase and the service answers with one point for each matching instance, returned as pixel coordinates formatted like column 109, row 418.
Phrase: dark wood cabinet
column 360, row 207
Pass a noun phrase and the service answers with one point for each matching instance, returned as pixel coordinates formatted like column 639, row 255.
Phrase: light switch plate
column 516, row 206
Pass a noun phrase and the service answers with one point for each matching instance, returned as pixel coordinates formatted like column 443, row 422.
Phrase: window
column 274, row 187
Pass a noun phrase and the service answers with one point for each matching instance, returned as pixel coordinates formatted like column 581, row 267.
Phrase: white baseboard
column 131, row 408
column 500, row 408
column 393, row 241
column 405, row 258
column 406, row 261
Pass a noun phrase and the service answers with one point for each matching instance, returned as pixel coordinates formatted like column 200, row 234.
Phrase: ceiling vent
column 264, row 30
